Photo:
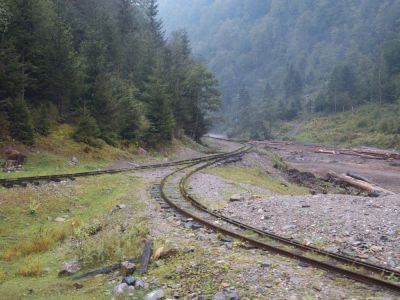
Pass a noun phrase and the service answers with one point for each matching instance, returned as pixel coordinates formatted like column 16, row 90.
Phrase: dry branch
column 145, row 258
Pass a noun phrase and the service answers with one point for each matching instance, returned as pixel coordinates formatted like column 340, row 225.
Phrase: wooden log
column 324, row 151
column 372, row 188
column 359, row 177
column 105, row 270
column 145, row 258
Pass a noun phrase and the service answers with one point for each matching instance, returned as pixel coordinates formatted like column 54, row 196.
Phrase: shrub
column 33, row 268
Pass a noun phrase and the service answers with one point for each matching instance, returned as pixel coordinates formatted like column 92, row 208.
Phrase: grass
column 369, row 125
column 258, row 178
column 34, row 247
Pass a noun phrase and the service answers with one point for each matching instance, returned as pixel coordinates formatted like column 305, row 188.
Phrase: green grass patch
column 369, row 125
column 34, row 246
column 258, row 178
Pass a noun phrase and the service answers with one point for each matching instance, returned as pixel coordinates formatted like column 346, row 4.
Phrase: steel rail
column 362, row 277
column 11, row 182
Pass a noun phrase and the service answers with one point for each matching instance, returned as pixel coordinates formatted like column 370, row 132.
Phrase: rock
column 140, row 284
column 59, row 219
column 332, row 249
column 74, row 160
column 129, row 280
column 192, row 225
column 226, row 240
column 189, row 249
column 260, row 290
column 11, row 166
column 226, row 295
column 303, row 264
column 121, row 289
column 141, row 151
column 127, row 268
column 121, row 206
column 78, row 285
column 155, row 295
column 69, row 268
column 162, row 252
column 288, row 227
column 15, row 155
column 179, row 270
column 219, row 296
column 236, row 198
column 266, row 263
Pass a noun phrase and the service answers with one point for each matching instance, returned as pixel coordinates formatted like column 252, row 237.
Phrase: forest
column 104, row 66
column 283, row 60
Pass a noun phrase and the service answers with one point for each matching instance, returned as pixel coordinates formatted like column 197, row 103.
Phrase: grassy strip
column 257, row 178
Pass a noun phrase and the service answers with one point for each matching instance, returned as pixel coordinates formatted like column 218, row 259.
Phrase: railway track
column 174, row 192
column 23, row 181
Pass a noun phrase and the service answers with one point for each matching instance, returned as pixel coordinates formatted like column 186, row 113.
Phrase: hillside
column 278, row 60
column 370, row 125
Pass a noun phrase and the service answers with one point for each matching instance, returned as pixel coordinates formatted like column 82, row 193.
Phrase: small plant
column 33, row 207
column 393, row 277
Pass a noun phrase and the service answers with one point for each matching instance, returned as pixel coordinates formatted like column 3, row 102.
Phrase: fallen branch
column 359, row 177
column 104, row 270
column 372, row 188
column 145, row 258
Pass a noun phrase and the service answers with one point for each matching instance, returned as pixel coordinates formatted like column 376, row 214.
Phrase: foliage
column 95, row 54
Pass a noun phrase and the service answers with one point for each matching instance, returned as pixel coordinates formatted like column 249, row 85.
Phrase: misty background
column 288, row 59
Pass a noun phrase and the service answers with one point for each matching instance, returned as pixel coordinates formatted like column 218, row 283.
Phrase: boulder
column 127, row 268
column 141, row 151
column 69, row 268
column 15, row 155
column 11, row 166
column 155, row 295
column 236, row 198
column 121, row 289
column 74, row 160
column 163, row 252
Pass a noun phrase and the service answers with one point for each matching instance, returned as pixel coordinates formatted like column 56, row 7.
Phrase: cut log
column 324, row 151
column 359, row 177
column 372, row 188
column 145, row 258
column 105, row 270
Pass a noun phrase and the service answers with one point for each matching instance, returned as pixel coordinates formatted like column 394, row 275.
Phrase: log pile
column 367, row 153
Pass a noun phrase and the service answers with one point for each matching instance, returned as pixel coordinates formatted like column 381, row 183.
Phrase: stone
column 127, row 268
column 69, row 268
column 129, row 280
column 163, row 252
column 140, row 284
column 192, row 225
column 121, row 289
column 303, row 264
column 74, row 160
column 226, row 240
column 179, row 270
column 141, row 151
column 121, row 206
column 11, row 166
column 59, row 219
column 78, row 285
column 236, row 198
column 288, row 227
column 266, row 263
column 219, row 296
column 154, row 295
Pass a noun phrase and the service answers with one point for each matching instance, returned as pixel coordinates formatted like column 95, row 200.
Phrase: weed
column 33, row 268
column 33, row 207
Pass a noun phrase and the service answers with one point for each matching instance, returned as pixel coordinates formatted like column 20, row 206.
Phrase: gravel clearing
column 368, row 228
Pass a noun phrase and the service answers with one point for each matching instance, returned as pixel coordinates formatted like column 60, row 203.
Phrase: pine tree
column 21, row 122
column 159, row 112
column 87, row 130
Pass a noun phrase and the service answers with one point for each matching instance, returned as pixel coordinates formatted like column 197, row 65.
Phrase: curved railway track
column 174, row 192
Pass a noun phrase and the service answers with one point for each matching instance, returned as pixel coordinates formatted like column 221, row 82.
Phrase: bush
column 87, row 130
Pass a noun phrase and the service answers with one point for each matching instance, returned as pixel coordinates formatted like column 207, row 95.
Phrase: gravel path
column 364, row 227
